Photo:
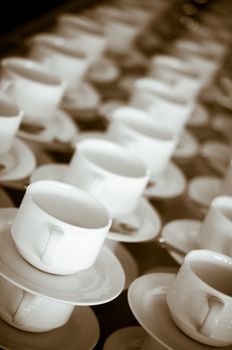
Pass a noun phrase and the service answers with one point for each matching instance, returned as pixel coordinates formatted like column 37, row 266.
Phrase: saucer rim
column 216, row 180
column 177, row 257
column 191, row 139
column 69, row 297
column 78, row 316
column 140, row 333
column 47, row 139
column 26, row 156
column 172, row 168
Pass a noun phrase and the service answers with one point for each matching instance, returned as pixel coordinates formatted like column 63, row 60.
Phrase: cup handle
column 55, row 238
column 213, row 316
column 25, row 305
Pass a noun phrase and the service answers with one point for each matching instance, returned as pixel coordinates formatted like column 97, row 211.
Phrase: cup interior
column 30, row 70
column 215, row 270
column 68, row 204
column 112, row 158
column 141, row 123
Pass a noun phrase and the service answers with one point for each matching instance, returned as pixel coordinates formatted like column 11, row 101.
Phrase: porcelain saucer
column 81, row 99
column 93, row 286
column 147, row 300
column 19, row 162
column 128, row 338
column 104, row 70
column 171, row 183
column 5, row 200
column 199, row 116
column 222, row 124
column 145, row 219
column 70, row 336
column 183, row 234
column 61, row 131
column 126, row 259
column 187, row 147
column 217, row 155
column 203, row 189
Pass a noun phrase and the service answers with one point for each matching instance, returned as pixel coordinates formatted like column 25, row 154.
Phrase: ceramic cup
column 33, row 87
column 171, row 111
column 138, row 132
column 30, row 312
column 59, row 228
column 216, row 230
column 67, row 61
column 83, row 30
column 184, row 80
column 200, row 298
column 110, row 173
column 10, row 119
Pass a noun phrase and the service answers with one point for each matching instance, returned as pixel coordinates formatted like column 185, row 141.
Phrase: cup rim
column 139, row 166
column 106, row 215
column 205, row 252
column 21, row 67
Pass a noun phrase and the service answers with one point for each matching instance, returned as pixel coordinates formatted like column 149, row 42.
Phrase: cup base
column 196, row 335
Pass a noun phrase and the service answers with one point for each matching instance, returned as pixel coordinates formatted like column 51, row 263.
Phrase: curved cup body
column 59, row 228
column 30, row 312
column 200, row 299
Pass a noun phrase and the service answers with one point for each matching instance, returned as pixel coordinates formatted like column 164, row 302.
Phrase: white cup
column 185, row 81
column 110, row 173
column 216, row 230
column 67, row 61
column 33, row 87
column 200, row 297
column 171, row 111
column 10, row 119
column 137, row 131
column 85, row 31
column 30, row 312
column 59, row 228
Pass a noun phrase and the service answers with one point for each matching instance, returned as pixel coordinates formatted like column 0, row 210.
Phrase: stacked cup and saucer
column 115, row 177
column 53, row 266
column 17, row 160
column 38, row 92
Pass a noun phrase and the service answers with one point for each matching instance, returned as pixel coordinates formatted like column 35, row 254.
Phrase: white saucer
column 83, row 97
column 203, row 189
column 222, row 124
column 107, row 107
column 171, row 183
column 128, row 338
column 70, row 336
column 183, row 234
column 92, row 286
column 145, row 219
column 147, row 300
column 126, row 259
column 103, row 71
column 217, row 155
column 187, row 147
column 199, row 116
column 5, row 200
column 20, row 162
column 61, row 130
